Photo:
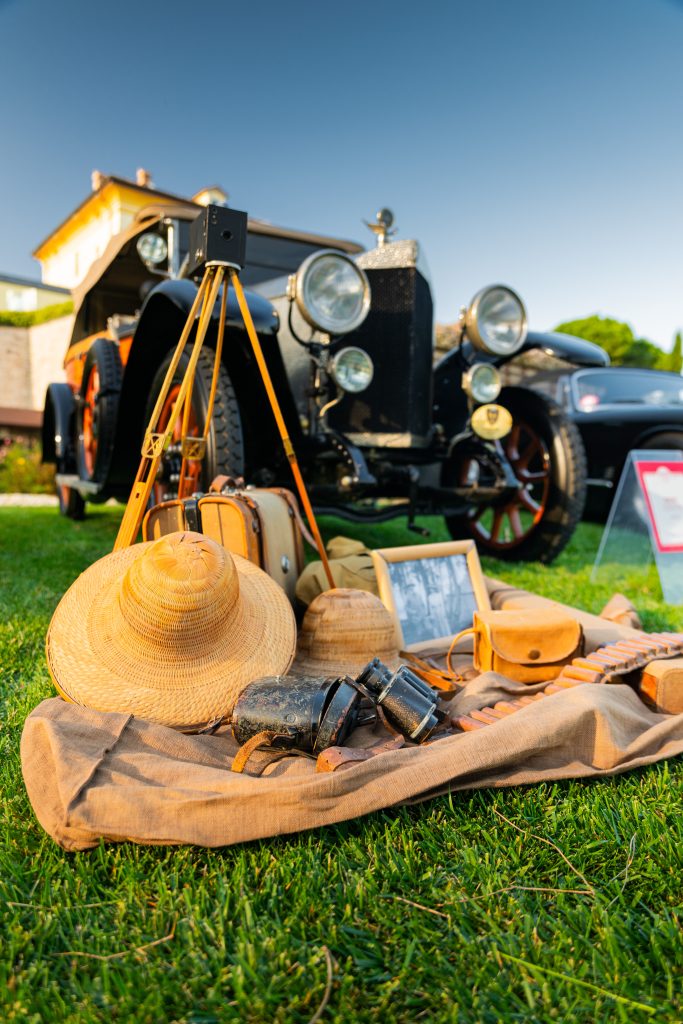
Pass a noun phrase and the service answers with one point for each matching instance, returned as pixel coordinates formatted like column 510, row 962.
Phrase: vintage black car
column 380, row 430
column 619, row 409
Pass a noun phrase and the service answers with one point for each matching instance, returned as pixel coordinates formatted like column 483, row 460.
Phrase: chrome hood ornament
column 382, row 228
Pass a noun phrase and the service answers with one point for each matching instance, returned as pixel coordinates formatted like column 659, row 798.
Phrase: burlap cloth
column 91, row 775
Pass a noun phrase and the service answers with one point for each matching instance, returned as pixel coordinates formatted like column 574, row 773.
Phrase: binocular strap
column 264, row 741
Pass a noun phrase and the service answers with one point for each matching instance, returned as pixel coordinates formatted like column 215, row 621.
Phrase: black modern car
column 618, row 409
column 348, row 336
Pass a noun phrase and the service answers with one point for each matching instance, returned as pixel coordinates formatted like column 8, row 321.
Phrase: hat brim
column 183, row 689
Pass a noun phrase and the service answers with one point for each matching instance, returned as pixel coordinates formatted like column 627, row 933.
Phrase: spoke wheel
column 166, row 484
column 225, row 443
column 505, row 526
column 546, row 454
column 97, row 410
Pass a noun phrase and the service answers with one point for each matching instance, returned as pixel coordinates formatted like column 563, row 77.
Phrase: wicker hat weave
column 171, row 630
column 342, row 631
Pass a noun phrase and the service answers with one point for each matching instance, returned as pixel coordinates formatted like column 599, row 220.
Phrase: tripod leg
column 212, row 395
column 282, row 427
column 219, row 354
column 155, row 444
column 180, row 347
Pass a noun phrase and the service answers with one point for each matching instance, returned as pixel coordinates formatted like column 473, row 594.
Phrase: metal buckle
column 154, row 445
column 193, row 447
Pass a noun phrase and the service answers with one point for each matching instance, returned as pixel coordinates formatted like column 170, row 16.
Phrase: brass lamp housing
column 476, row 331
column 296, row 290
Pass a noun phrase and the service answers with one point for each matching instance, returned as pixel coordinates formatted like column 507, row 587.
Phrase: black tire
column 565, row 484
column 97, row 415
column 71, row 503
column 669, row 440
column 225, row 441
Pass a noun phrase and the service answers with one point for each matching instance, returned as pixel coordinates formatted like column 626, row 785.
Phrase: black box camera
column 218, row 235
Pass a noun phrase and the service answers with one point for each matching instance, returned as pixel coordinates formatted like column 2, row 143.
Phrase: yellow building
column 67, row 253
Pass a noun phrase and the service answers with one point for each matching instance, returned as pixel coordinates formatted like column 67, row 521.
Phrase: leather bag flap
column 532, row 638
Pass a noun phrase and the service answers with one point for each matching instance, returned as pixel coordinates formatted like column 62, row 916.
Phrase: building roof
column 153, row 194
column 156, row 197
column 24, row 282
column 16, row 417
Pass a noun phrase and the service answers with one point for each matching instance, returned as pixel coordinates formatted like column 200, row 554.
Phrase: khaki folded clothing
column 93, row 775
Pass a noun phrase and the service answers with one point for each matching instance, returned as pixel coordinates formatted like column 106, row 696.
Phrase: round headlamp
column 495, row 321
column 352, row 369
column 152, row 248
column 331, row 292
column 482, row 383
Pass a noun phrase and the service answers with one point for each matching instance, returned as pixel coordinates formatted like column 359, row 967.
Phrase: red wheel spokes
column 193, row 469
column 527, row 502
column 496, row 524
column 90, row 426
column 515, row 521
column 524, row 448
column 522, row 460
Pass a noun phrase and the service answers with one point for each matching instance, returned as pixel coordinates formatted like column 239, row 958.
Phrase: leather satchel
column 525, row 645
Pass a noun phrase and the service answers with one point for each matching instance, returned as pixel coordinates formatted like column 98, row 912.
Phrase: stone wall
column 15, row 368
column 30, row 359
column 48, row 345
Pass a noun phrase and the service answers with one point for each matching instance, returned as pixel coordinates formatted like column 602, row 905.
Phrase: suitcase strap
column 192, row 515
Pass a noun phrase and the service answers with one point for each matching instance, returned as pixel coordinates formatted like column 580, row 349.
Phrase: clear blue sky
column 534, row 142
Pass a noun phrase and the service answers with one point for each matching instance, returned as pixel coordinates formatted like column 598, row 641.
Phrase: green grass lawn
column 567, row 911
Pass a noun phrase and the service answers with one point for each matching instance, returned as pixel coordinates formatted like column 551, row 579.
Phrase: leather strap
column 296, row 512
column 458, row 636
column 193, row 517
column 431, row 674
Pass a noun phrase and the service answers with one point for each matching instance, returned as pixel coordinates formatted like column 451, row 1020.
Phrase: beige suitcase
column 261, row 524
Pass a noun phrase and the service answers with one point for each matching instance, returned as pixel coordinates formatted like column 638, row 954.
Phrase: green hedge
column 36, row 316
column 21, row 469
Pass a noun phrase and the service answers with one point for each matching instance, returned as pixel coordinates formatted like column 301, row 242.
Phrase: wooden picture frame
column 431, row 590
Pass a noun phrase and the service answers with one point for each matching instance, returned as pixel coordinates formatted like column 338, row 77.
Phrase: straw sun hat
column 171, row 630
column 342, row 631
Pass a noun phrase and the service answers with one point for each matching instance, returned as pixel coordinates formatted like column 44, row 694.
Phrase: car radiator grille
column 396, row 409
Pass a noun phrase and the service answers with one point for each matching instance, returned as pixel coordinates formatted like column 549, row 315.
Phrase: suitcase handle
column 223, row 483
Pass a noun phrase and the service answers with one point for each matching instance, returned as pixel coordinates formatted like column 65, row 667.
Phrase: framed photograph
column 432, row 591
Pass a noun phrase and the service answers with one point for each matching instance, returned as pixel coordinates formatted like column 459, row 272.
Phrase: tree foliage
column 621, row 344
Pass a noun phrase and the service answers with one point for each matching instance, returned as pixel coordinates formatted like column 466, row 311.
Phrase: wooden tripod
column 157, row 439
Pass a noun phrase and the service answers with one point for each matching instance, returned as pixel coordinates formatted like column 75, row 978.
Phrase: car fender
column 161, row 322
column 567, row 347
column 450, row 403
column 182, row 292
column 58, row 422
